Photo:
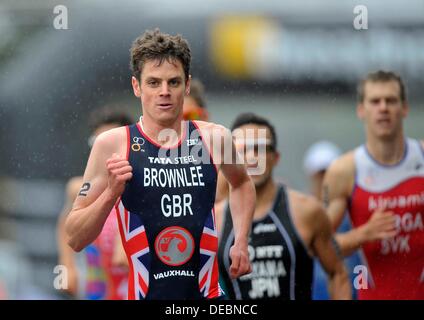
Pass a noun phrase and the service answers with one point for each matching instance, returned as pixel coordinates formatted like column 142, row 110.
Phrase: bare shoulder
column 340, row 175
column 112, row 136
column 309, row 213
column 112, row 141
column 422, row 143
column 105, row 145
column 308, row 207
column 344, row 166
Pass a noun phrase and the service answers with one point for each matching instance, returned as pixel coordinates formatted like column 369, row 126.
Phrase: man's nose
column 383, row 105
column 164, row 89
column 250, row 156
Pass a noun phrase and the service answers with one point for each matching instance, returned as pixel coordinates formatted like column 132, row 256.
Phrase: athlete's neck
column 164, row 134
column 387, row 151
column 265, row 196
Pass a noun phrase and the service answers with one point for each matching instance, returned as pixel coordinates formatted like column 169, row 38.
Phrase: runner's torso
column 166, row 218
column 281, row 266
column 395, row 266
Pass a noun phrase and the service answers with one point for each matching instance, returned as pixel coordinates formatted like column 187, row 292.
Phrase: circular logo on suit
column 138, row 142
column 174, row 246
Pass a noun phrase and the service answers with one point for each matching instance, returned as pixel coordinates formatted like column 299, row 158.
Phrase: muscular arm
column 242, row 199
column 241, row 191
column 221, row 189
column 104, row 181
column 322, row 244
column 242, row 203
column 337, row 187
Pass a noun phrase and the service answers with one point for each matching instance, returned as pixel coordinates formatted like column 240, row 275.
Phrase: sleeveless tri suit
column 394, row 267
column 166, row 218
column 281, row 266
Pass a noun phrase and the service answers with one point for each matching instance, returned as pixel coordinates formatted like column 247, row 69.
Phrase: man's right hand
column 381, row 225
column 119, row 172
column 240, row 263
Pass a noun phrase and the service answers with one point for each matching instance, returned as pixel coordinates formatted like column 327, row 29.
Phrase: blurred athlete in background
column 289, row 229
column 381, row 184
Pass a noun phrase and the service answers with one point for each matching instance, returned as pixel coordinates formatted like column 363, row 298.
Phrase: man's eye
column 392, row 101
column 174, row 82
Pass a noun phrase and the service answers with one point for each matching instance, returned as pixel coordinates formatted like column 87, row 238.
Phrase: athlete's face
column 256, row 148
column 382, row 109
column 162, row 88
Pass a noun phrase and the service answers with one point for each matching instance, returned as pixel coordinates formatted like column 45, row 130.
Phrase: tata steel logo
column 174, row 246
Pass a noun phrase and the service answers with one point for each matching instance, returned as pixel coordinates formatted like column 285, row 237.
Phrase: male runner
column 160, row 174
column 381, row 183
column 288, row 231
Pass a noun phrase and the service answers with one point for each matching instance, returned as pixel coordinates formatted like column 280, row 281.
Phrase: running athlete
column 381, row 183
column 93, row 275
column 194, row 108
column 160, row 174
column 288, row 231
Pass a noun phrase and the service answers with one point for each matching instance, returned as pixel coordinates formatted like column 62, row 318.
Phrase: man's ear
column 187, row 88
column 405, row 109
column 360, row 111
column 277, row 157
column 136, row 87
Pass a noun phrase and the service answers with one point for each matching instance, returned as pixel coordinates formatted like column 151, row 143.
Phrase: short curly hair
column 155, row 45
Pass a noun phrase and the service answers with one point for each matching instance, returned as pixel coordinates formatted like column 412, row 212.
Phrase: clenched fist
column 119, row 172
column 240, row 263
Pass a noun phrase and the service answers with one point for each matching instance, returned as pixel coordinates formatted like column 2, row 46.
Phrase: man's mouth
column 164, row 106
column 383, row 121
